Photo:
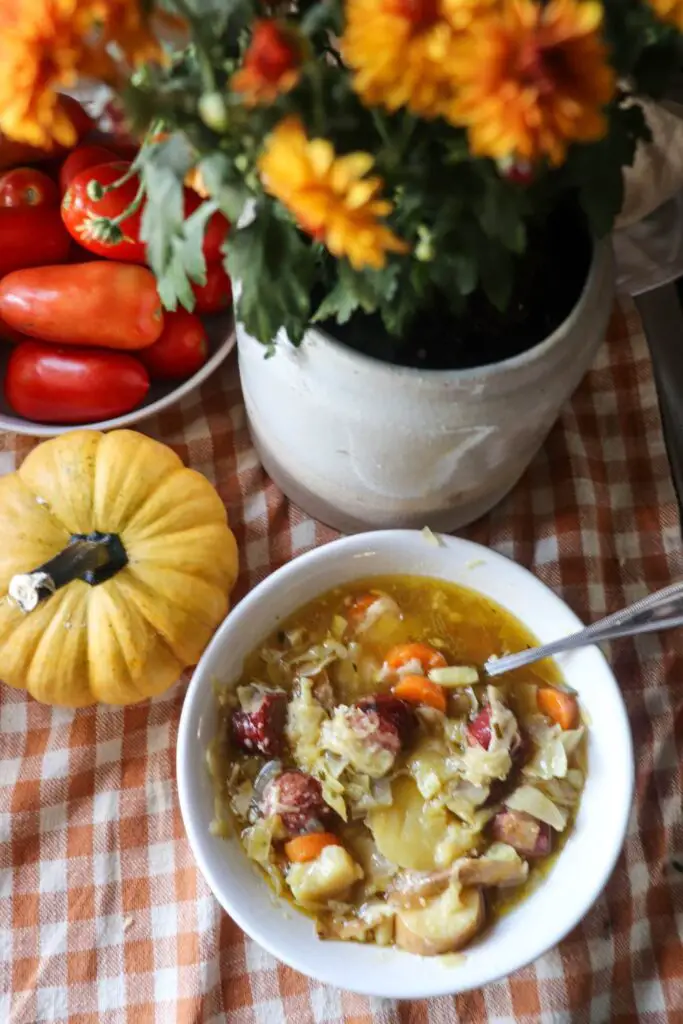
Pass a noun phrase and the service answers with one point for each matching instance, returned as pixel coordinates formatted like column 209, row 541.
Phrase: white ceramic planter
column 360, row 444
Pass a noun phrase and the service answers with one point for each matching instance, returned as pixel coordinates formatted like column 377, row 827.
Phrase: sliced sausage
column 259, row 726
column 298, row 798
column 391, row 711
column 527, row 835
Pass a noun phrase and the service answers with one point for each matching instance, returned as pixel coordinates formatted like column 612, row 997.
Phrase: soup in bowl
column 353, row 784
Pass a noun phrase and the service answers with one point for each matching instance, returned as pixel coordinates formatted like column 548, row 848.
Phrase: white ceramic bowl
column 221, row 336
column 580, row 872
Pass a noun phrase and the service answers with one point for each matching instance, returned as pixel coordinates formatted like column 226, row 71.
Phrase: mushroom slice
column 445, row 925
column 500, row 868
column 411, row 889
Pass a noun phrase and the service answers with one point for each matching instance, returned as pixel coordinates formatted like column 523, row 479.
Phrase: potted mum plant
column 420, row 192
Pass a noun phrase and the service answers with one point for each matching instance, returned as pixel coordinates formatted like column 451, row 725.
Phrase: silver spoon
column 658, row 611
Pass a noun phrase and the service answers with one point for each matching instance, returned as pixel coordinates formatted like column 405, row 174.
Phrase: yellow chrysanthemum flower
column 46, row 45
column 669, row 10
column 331, row 196
column 399, row 50
column 532, row 79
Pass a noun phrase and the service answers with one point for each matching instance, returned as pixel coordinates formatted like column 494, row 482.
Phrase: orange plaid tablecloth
column 103, row 916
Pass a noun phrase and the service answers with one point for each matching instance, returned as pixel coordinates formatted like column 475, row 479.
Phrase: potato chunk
column 445, row 925
column 408, row 832
column 330, row 875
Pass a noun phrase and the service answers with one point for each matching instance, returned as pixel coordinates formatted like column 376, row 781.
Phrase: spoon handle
column 659, row 611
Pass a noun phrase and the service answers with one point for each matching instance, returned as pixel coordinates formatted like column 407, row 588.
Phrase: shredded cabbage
column 464, row 799
column 554, row 746
column 305, row 717
column 258, row 844
column 241, row 799
column 539, row 806
column 353, row 734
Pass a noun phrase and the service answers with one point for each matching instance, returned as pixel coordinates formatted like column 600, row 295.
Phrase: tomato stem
column 133, row 206
column 102, row 190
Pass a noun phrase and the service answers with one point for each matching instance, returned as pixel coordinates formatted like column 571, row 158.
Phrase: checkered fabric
column 104, row 918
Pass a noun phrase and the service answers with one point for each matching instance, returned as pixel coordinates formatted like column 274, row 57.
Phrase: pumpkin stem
column 93, row 558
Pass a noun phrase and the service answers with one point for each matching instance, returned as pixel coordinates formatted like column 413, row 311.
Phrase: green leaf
column 597, row 169
column 497, row 276
column 232, row 196
column 190, row 244
column 339, row 304
column 275, row 267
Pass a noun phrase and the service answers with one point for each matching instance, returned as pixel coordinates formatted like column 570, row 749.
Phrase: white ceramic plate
column 221, row 335
column 581, row 870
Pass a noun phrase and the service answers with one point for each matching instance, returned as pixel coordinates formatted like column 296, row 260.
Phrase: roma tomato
column 216, row 294
column 85, row 217
column 82, row 158
column 31, row 237
column 181, row 349
column 216, row 230
column 24, row 186
column 51, row 384
column 109, row 305
column 10, row 335
column 13, row 154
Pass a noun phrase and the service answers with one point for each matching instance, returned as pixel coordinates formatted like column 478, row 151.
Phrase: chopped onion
column 539, row 806
column 384, row 605
column 296, row 637
column 454, row 675
column 339, row 626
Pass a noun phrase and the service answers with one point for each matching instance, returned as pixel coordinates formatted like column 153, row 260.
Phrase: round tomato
column 216, row 230
column 92, row 222
column 25, row 186
column 82, row 158
column 181, row 349
column 31, row 236
column 216, row 294
column 51, row 384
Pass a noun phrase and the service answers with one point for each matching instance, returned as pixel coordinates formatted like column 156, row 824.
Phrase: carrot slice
column 427, row 656
column 303, row 848
column 418, row 690
column 559, row 706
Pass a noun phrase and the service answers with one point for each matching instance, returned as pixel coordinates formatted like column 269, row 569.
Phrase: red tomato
column 13, row 154
column 181, row 349
column 82, row 158
column 216, row 230
column 216, row 294
column 109, row 305
column 31, row 237
column 51, row 384
column 82, row 215
column 24, row 186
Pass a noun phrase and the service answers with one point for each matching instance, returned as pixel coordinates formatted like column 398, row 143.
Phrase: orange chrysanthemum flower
column 271, row 64
column 46, row 45
column 331, row 196
column 126, row 23
column 399, row 50
column 533, row 79
column 41, row 49
column 669, row 10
